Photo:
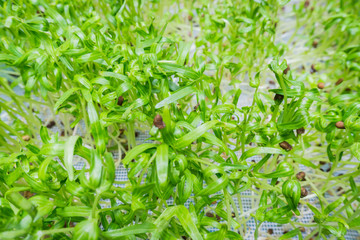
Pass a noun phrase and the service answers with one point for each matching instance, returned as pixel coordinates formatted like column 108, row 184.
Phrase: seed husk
column 26, row 138
column 120, row 101
column 300, row 131
column 278, row 97
column 321, row 85
column 158, row 122
column 286, row 70
column 304, row 192
column 300, row 176
column 27, row 194
column 209, row 214
column 315, row 44
column 338, row 82
column 302, row 229
column 307, row 3
column 270, row 231
column 312, row 69
column 50, row 124
column 340, row 125
column 285, row 145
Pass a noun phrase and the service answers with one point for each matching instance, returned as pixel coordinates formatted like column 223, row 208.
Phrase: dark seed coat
column 340, row 125
column 300, row 131
column 278, row 97
column 304, row 192
column 338, row 82
column 285, row 145
column 321, row 85
column 51, row 124
column 286, row 70
column 158, row 122
column 120, row 101
column 301, row 176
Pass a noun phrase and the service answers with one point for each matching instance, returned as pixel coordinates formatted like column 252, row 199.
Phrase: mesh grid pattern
column 246, row 201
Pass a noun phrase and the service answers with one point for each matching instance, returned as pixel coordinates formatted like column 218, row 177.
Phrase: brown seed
column 27, row 194
column 270, row 231
column 158, row 122
column 196, row 107
column 315, row 44
column 278, row 97
column 300, row 176
column 209, row 214
column 26, row 138
column 322, row 162
column 272, row 82
column 218, row 217
column 307, row 3
column 51, row 124
column 120, row 101
column 300, row 131
column 338, row 82
column 340, row 125
column 321, row 85
column 285, row 145
column 286, row 70
column 312, row 70
column 304, row 192
column 214, row 202
column 232, row 214
column 302, row 229
column 121, row 131
column 190, row 18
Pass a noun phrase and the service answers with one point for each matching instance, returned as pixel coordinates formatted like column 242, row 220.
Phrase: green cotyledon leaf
column 355, row 150
column 182, row 213
column 162, row 163
column 133, row 153
column 64, row 97
column 74, row 211
column 69, row 149
column 292, row 192
column 130, row 230
column 87, row 230
column 176, row 96
column 214, row 186
column 261, row 150
column 188, row 138
column 185, row 71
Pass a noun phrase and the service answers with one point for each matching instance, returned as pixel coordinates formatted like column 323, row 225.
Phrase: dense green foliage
column 180, row 70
